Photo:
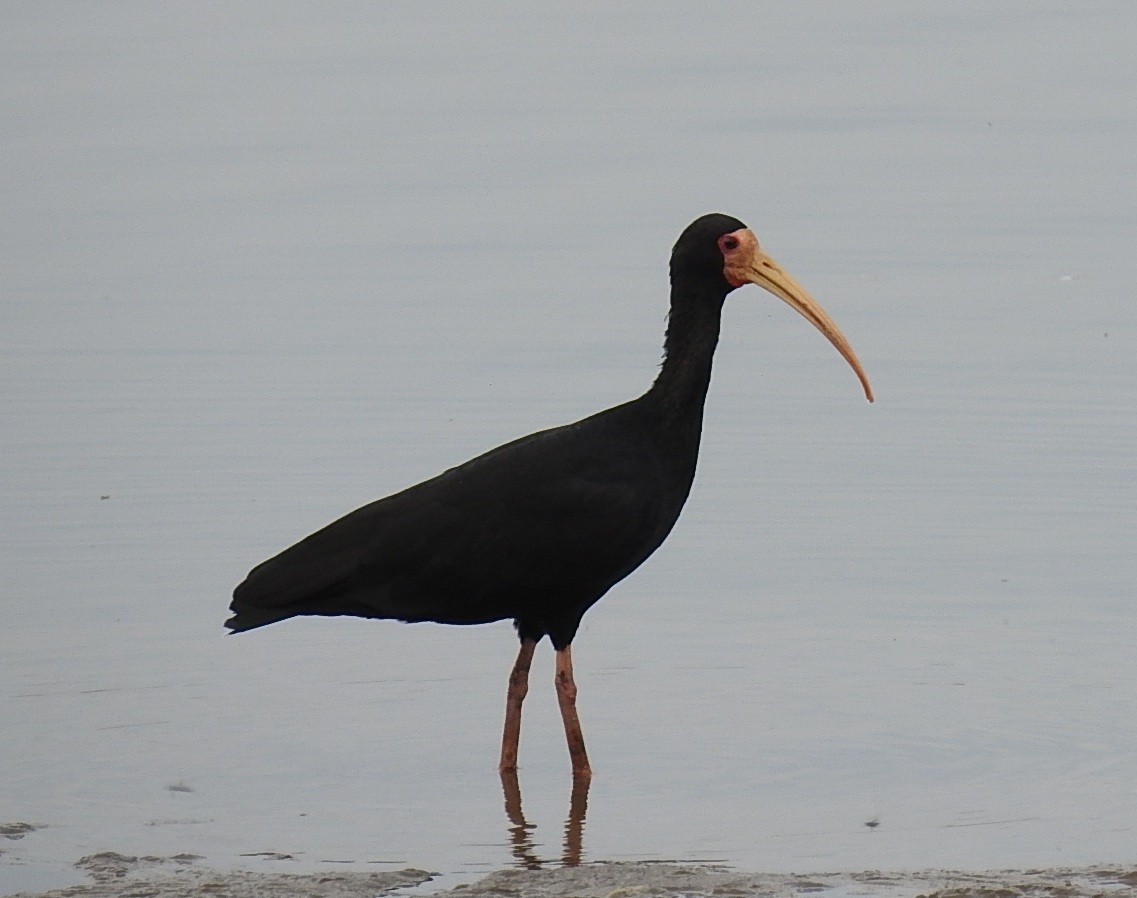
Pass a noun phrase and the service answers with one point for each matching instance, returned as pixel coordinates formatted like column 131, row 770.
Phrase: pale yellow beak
column 769, row 275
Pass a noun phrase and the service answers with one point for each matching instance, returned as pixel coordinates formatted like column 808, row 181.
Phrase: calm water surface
column 259, row 267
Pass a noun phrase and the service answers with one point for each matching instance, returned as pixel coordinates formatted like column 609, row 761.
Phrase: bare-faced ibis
column 539, row 529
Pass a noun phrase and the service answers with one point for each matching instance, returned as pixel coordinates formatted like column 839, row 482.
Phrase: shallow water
column 258, row 268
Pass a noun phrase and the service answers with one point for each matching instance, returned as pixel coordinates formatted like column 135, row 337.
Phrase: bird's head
column 721, row 251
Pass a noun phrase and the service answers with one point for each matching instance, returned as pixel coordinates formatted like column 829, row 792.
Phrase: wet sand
column 182, row 876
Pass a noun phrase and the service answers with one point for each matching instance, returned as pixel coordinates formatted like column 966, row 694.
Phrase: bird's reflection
column 521, row 831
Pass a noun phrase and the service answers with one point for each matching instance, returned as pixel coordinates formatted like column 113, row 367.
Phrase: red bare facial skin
column 739, row 253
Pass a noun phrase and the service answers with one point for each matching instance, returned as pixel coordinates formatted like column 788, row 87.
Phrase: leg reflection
column 521, row 831
column 574, row 823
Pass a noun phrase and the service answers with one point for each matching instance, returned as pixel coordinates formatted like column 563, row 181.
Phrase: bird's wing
column 538, row 514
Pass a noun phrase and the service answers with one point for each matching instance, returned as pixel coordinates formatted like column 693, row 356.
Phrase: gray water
column 260, row 265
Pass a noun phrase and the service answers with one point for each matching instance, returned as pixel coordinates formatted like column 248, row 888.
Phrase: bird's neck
column 688, row 350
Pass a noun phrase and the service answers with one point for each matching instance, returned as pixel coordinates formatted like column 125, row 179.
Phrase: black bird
column 539, row 529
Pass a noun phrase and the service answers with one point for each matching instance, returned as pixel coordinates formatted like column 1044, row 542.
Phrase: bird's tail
column 251, row 618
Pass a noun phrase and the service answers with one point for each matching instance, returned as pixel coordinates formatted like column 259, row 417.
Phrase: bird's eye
column 729, row 242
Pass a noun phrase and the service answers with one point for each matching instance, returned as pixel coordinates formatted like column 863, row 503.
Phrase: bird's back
column 535, row 530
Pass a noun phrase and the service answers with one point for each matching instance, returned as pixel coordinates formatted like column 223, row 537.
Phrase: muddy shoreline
column 115, row 875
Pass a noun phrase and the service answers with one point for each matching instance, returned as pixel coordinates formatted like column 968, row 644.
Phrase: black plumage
column 537, row 530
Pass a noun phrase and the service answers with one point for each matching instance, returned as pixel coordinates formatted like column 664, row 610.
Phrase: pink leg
column 566, row 698
column 518, row 686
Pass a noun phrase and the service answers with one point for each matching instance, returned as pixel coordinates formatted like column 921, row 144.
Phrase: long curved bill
column 769, row 275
